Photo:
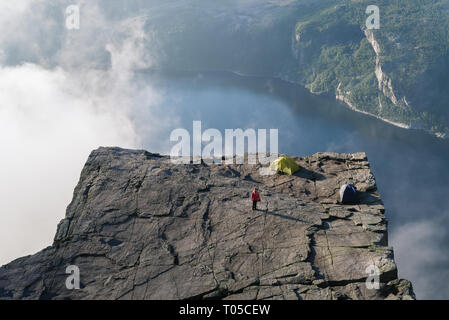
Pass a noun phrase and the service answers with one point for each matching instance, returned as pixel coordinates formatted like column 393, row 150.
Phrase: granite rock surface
column 141, row 227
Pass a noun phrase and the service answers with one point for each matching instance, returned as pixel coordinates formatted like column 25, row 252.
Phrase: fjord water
column 411, row 167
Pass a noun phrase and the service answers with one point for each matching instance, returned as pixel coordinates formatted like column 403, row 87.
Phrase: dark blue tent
column 348, row 194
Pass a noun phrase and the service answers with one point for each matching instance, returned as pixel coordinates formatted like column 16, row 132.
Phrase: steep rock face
column 384, row 81
column 141, row 227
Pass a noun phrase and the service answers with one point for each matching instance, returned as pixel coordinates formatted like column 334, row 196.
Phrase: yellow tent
column 284, row 164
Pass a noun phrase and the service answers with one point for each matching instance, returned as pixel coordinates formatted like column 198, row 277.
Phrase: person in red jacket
column 255, row 197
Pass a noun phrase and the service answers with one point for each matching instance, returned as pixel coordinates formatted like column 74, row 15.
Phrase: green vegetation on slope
column 335, row 56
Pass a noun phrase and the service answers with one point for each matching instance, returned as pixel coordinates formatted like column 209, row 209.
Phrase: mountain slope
column 399, row 72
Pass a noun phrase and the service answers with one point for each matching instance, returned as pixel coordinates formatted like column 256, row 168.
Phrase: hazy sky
column 64, row 93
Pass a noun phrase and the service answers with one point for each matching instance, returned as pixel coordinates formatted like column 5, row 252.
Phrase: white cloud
column 46, row 134
column 419, row 254
column 58, row 102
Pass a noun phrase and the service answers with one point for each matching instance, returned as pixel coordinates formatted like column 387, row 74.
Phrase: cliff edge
column 141, row 227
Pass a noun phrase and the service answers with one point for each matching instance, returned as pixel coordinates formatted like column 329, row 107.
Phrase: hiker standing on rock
column 255, row 197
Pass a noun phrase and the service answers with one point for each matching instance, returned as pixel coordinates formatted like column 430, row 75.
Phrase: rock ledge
column 140, row 227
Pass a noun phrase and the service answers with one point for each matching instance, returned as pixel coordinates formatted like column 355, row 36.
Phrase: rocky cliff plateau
column 141, row 227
